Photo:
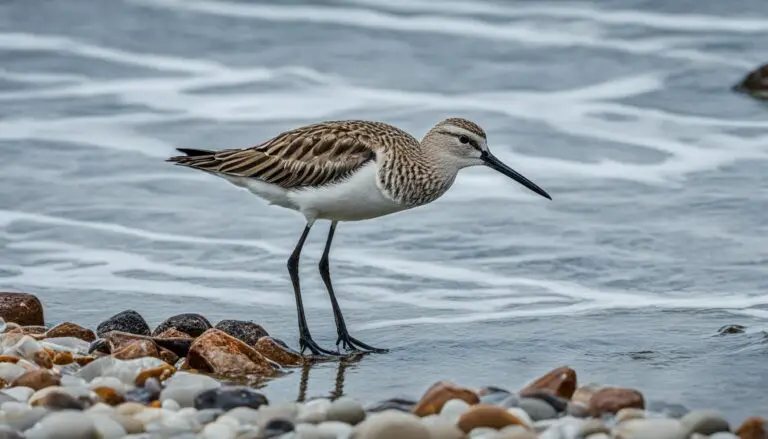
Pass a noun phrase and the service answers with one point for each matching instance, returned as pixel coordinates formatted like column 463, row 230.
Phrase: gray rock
column 391, row 424
column 346, row 410
column 537, row 409
column 704, row 422
column 65, row 424
column 188, row 323
column 510, row 401
column 652, row 428
column 229, row 397
column 127, row 321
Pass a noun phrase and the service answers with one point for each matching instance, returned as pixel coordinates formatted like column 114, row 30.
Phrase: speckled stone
column 188, row 323
column 246, row 331
column 127, row 321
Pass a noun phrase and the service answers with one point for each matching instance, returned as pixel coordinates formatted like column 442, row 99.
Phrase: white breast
column 357, row 198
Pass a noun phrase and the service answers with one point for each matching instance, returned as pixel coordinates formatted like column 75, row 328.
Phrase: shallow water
column 620, row 109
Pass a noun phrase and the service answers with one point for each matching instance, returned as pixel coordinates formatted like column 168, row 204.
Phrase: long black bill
column 496, row 164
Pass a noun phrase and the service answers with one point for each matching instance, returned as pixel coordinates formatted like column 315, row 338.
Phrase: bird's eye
column 464, row 139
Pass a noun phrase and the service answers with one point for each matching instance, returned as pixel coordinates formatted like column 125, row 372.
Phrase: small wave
column 61, row 44
column 465, row 27
column 585, row 11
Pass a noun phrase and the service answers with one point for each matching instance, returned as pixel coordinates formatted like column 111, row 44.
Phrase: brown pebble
column 584, row 394
column 173, row 333
column 108, row 395
column 219, row 353
column 69, row 329
column 129, row 408
column 486, row 415
column 43, row 359
column 753, row 428
column 441, row 392
column 613, row 399
column 37, row 379
column 62, row 358
column 162, row 373
column 84, row 360
column 278, row 353
column 58, row 399
column 559, row 382
column 155, row 404
column 9, row 359
column 21, row 308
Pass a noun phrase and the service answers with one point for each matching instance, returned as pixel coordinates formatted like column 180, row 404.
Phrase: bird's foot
column 350, row 343
column 306, row 342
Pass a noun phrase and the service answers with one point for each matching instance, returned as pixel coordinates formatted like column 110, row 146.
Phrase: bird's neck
column 415, row 177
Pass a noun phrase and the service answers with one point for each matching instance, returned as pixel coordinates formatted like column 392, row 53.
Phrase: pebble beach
column 188, row 378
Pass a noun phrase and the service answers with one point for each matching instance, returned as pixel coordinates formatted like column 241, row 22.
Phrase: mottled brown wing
column 312, row 155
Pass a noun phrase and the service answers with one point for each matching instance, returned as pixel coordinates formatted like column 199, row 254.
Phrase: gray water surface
column 620, row 109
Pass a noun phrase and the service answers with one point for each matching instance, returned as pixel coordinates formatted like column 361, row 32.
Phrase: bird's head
column 461, row 143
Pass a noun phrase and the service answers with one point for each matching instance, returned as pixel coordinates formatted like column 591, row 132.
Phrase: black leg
column 347, row 341
column 305, row 339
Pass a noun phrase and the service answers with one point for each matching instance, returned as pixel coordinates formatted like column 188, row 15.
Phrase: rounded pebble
column 704, row 422
column 65, row 424
column 391, row 424
column 227, row 398
column 127, row 321
column 346, row 410
column 453, row 409
column 537, row 409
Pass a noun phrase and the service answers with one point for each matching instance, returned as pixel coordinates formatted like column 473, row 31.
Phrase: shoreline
column 188, row 378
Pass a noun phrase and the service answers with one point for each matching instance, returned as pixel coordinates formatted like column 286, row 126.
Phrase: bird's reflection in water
column 338, row 388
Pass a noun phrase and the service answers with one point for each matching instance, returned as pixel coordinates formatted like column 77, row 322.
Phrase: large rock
column 278, row 352
column 433, row 400
column 219, row 353
column 127, row 321
column 245, row 331
column 559, row 382
column 613, row 399
column 189, row 323
column 126, row 346
column 21, row 308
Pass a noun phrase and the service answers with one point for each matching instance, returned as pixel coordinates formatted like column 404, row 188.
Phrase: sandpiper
column 349, row 170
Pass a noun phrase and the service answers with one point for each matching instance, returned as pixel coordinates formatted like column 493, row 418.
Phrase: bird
column 345, row 171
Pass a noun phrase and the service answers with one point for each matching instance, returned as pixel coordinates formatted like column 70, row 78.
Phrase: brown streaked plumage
column 350, row 170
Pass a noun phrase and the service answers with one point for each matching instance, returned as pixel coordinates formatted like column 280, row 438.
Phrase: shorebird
column 349, row 170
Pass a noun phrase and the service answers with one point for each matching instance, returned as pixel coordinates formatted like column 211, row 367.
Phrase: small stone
column 126, row 346
column 559, row 404
column 704, row 422
column 9, row 359
column 21, row 308
column 628, row 413
column 484, row 415
column 314, row 411
column 391, row 424
column 267, row 413
column 278, row 352
column 492, row 395
column 753, row 428
column 453, row 409
column 443, row 429
column 245, row 331
column 221, row 354
column 613, row 399
column 171, row 405
column 127, row 321
column 654, row 428
column 514, row 432
column 56, row 398
column 522, row 415
column 227, row 398
column 125, row 370
column 65, row 424
column 333, row 429
column 63, row 358
column 183, row 387
column 37, row 379
column 436, row 396
column 560, row 382
column 109, row 395
column 277, row 427
column 161, row 373
column 482, row 433
column 69, row 329
column 346, row 410
column 129, row 408
column 537, row 409
column 189, row 323
column 220, row 431
column 23, row 419
column 107, row 427
column 592, row 426
column 584, row 394
column 510, row 401
column 720, row 435
column 244, row 415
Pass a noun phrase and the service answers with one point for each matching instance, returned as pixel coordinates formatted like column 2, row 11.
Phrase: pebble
column 184, row 387
column 659, row 428
column 6, row 432
column 704, row 422
column 65, row 424
column 219, row 431
column 314, row 411
column 537, row 409
column 227, row 398
column 107, row 427
column 128, row 321
column 19, row 393
column 443, row 429
column 391, row 424
column 453, row 409
column 23, row 419
column 514, row 432
column 346, row 410
column 189, row 323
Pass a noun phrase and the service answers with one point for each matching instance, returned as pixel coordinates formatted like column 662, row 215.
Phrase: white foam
column 585, row 11
column 521, row 32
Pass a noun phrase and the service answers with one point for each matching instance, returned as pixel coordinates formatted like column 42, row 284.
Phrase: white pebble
column 10, row 371
column 482, row 433
column 170, row 404
column 107, row 427
column 111, row 382
column 216, row 430
column 229, row 420
column 334, row 429
column 453, row 409
column 521, row 415
column 20, row 393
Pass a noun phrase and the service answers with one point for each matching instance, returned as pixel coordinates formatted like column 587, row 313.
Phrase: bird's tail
column 195, row 158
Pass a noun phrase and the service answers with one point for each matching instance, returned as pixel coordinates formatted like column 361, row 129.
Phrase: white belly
column 357, row 198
